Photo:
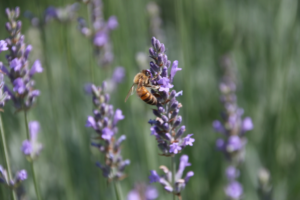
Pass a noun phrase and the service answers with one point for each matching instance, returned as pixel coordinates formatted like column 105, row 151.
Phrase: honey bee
column 142, row 80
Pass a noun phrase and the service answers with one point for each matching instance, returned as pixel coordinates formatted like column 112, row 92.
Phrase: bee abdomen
column 146, row 96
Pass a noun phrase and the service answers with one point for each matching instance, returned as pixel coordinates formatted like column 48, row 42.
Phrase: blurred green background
column 260, row 36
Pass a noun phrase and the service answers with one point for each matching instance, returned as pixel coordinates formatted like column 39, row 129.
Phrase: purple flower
column 234, row 143
column 164, row 84
column 26, row 147
column 154, row 177
column 188, row 140
column 100, row 39
column 220, row 144
column 118, row 116
column 234, row 190
column 107, row 133
column 188, row 176
column 142, row 192
column 90, row 122
column 151, row 193
column 112, row 23
column 232, row 173
column 175, row 148
column 182, row 165
column 3, row 46
column 247, row 124
column 15, row 64
column 217, row 125
column 21, row 175
column 34, row 128
column 174, row 69
column 36, row 68
column 32, row 148
column 19, row 86
column 118, row 75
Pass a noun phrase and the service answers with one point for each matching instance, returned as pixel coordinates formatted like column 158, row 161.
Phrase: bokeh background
column 260, row 36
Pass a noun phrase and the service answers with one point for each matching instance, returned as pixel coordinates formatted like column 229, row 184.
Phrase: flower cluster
column 99, row 32
column 142, row 192
column 233, row 129
column 23, row 94
column 155, row 20
column 14, row 183
column 104, row 122
column 32, row 148
column 166, row 127
column 166, row 179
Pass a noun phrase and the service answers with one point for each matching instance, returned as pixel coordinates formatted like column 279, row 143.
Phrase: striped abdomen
column 146, row 96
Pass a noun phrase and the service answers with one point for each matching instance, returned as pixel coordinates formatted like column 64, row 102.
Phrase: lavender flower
column 23, row 94
column 104, row 122
column 32, row 148
column 166, row 179
column 99, row 32
column 155, row 20
column 3, row 46
column 166, row 126
column 4, row 96
column 117, row 78
column 233, row 129
column 14, row 183
column 142, row 192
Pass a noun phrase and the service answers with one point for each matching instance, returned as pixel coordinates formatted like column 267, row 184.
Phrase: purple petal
column 188, row 176
column 175, row 148
column 174, row 69
column 220, row 144
column 188, row 140
column 34, row 128
column 183, row 163
column 90, row 122
column 36, row 68
column 107, row 133
column 234, row 190
column 247, row 124
column 118, row 116
column 234, row 143
column 100, row 39
column 3, row 46
column 217, row 125
column 154, row 177
column 21, row 175
column 15, row 64
column 133, row 195
column 112, row 23
column 232, row 173
column 26, row 147
column 151, row 193
column 19, row 86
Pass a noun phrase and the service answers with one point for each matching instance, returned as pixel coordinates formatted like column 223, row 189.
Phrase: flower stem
column 173, row 164
column 37, row 192
column 89, row 7
column 6, row 158
column 118, row 190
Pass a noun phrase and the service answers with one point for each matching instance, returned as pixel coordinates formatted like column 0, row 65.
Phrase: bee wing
column 130, row 92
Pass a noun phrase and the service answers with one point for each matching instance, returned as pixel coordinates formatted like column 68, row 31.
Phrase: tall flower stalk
column 23, row 94
column 166, row 127
column 233, row 128
column 104, row 122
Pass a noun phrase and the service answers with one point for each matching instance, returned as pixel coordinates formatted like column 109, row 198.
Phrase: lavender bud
column 162, row 48
column 164, row 118
column 19, row 25
column 166, row 126
column 17, row 12
column 168, row 64
column 157, row 45
column 154, row 67
column 168, row 136
column 175, row 113
column 164, row 72
column 151, row 52
column 153, row 41
column 174, row 105
column 7, row 11
column 106, row 98
column 156, row 113
column 180, row 132
column 27, row 51
column 160, row 61
column 172, row 94
column 161, row 109
column 177, row 121
column 8, row 26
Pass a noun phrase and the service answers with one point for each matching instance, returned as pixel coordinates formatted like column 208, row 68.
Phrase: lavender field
column 212, row 100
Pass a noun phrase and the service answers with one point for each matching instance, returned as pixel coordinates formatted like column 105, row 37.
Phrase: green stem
column 37, row 192
column 6, row 158
column 173, row 164
column 88, row 6
column 118, row 190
